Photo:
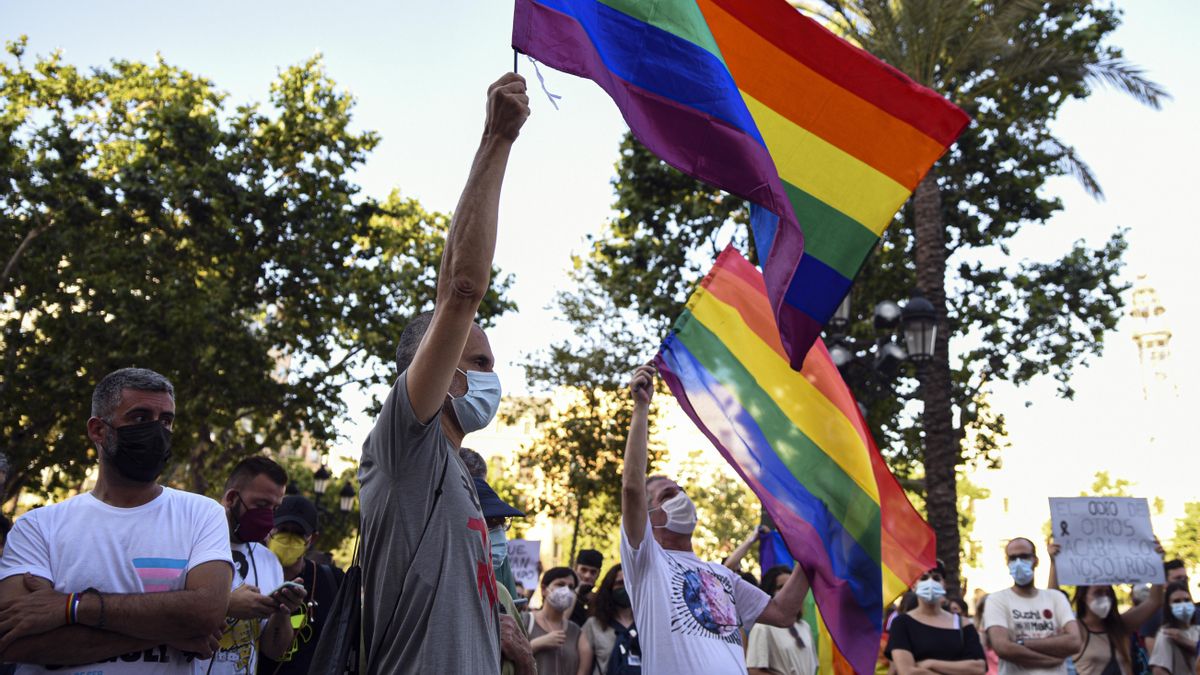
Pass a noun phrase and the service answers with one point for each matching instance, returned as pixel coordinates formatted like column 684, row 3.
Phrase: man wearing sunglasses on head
column 1030, row 629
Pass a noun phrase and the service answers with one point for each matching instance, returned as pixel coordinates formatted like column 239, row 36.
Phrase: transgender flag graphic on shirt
column 159, row 574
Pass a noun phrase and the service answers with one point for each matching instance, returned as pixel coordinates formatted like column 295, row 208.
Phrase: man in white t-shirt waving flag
column 690, row 614
column 1030, row 629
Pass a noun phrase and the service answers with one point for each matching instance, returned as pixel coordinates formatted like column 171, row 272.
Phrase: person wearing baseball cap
column 297, row 526
column 498, row 515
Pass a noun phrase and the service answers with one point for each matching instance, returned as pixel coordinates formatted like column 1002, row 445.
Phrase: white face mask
column 930, row 590
column 1100, row 606
column 561, row 598
column 476, row 408
column 1183, row 610
column 681, row 514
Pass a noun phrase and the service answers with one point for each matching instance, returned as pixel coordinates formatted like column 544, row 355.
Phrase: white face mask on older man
column 681, row 514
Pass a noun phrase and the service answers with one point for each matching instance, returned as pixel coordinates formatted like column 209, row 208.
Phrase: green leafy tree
column 337, row 527
column 579, row 446
column 1011, row 66
column 144, row 221
column 1186, row 544
column 1106, row 486
column 727, row 511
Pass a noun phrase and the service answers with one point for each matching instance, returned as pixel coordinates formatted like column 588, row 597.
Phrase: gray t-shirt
column 429, row 591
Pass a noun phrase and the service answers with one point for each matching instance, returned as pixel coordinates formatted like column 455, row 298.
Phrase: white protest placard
column 1104, row 540
column 523, row 557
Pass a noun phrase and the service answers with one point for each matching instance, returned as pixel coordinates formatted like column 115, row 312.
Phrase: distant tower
column 1153, row 339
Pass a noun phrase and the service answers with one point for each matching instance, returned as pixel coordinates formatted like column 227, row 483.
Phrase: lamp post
column 916, row 323
column 871, row 376
column 321, row 480
column 919, row 321
column 346, row 498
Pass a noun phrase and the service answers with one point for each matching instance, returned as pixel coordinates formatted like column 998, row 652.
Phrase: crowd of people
column 137, row 577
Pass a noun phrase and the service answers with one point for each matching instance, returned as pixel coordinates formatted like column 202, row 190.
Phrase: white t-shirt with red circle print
column 1043, row 615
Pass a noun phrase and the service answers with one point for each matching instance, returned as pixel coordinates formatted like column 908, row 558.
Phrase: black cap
column 590, row 557
column 299, row 510
column 490, row 502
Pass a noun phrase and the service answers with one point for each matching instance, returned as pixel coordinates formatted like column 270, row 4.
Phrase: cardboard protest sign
column 1105, row 540
column 523, row 557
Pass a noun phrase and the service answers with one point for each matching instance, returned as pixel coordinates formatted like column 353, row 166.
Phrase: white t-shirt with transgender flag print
column 84, row 543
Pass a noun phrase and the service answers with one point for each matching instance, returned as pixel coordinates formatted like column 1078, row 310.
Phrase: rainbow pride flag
column 799, row 442
column 826, row 141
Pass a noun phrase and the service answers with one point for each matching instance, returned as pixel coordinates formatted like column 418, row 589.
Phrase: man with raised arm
column 130, row 578
column 690, row 614
column 423, row 530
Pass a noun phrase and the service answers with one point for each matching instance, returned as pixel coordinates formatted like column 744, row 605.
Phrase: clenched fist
column 507, row 107
column 641, row 385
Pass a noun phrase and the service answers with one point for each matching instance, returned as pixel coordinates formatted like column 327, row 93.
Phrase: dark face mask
column 254, row 524
column 141, row 450
column 621, row 598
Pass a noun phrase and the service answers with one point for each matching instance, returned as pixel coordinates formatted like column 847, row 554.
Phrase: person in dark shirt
column 587, row 568
column 296, row 530
column 927, row 638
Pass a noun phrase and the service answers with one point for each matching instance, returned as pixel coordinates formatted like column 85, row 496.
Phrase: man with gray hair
column 132, row 577
column 430, row 603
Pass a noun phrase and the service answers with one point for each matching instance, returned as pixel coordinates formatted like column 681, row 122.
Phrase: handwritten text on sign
column 523, row 556
column 1105, row 540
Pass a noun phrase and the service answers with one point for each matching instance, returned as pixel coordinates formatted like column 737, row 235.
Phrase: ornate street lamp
column 919, row 324
column 888, row 358
column 321, row 480
column 346, row 498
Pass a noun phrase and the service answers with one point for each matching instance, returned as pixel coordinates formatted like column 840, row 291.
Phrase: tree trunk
column 199, row 484
column 942, row 449
column 575, row 532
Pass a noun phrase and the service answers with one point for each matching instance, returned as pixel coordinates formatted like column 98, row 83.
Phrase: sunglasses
column 494, row 522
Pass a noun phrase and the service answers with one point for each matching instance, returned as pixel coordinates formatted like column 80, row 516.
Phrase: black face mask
column 141, row 451
column 621, row 598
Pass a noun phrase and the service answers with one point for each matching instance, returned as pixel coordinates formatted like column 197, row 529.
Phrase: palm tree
column 1009, row 60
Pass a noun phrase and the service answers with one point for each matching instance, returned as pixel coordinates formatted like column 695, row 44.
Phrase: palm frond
column 1130, row 79
column 1073, row 165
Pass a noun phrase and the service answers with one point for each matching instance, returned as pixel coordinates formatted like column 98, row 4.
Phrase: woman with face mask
column 931, row 640
column 554, row 639
column 1175, row 645
column 610, row 631
column 1106, row 631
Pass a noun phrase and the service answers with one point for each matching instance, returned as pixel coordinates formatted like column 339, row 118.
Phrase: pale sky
column 420, row 71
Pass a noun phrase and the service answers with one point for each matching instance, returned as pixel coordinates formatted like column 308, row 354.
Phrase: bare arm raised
column 633, row 477
column 470, row 245
column 785, row 605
